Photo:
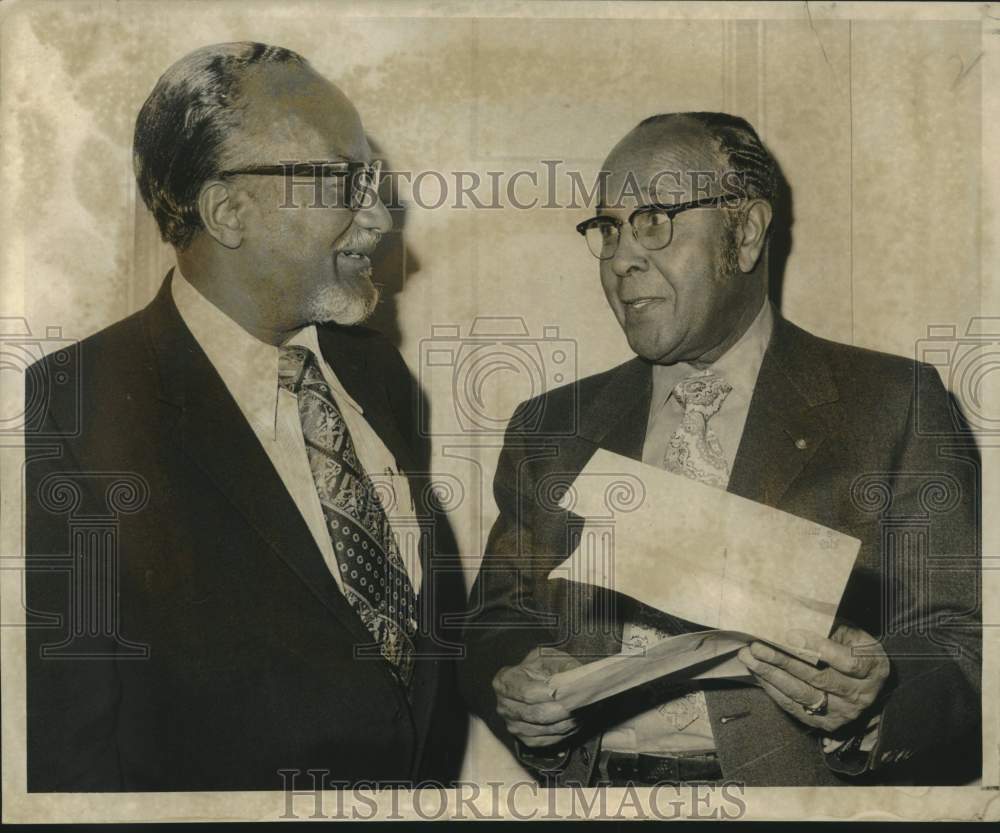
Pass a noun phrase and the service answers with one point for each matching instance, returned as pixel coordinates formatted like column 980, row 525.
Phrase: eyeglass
column 361, row 179
column 652, row 225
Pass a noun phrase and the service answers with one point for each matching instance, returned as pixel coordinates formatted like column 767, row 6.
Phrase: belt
column 621, row 768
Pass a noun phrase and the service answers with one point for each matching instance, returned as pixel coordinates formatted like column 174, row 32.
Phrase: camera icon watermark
column 497, row 355
column 969, row 364
column 50, row 365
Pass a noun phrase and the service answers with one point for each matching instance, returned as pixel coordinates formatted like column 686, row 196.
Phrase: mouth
column 353, row 259
column 641, row 303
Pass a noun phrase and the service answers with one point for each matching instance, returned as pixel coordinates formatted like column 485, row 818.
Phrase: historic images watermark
column 491, row 351
column 904, row 506
column 21, row 354
column 552, row 184
column 312, row 795
column 494, row 350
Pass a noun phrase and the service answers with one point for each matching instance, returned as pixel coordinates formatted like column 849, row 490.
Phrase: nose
column 374, row 216
column 629, row 257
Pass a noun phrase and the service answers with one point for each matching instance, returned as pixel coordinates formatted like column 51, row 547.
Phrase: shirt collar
column 247, row 365
column 739, row 365
column 308, row 337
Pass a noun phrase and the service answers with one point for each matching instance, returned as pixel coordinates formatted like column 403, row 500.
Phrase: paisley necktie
column 694, row 452
column 694, row 449
column 372, row 573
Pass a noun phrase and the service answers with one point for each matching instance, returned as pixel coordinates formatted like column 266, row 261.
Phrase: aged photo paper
column 337, row 338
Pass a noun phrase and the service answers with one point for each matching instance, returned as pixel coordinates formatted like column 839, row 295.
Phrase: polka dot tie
column 372, row 573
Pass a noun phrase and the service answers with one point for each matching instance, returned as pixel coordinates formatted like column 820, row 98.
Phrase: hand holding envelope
column 745, row 571
column 846, row 686
column 526, row 698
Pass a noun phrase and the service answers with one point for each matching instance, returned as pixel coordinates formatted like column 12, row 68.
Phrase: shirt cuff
column 851, row 755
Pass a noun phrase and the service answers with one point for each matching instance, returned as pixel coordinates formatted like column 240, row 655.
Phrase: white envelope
column 704, row 555
column 712, row 651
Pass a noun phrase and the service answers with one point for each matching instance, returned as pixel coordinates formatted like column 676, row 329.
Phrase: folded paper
column 733, row 566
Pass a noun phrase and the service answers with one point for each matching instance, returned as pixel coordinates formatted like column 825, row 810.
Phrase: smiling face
column 303, row 264
column 689, row 301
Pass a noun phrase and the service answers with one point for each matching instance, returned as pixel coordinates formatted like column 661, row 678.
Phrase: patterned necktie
column 694, row 449
column 694, row 452
column 372, row 573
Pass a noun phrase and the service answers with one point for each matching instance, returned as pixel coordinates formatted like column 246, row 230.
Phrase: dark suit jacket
column 864, row 469
column 228, row 652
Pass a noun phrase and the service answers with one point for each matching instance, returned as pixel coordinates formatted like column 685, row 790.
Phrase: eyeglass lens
column 652, row 229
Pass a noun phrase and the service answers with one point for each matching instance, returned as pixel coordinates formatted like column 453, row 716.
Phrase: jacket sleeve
column 931, row 605
column 514, row 608
column 72, row 686
column 499, row 628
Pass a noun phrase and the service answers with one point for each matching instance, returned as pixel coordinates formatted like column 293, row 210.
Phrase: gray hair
column 180, row 130
column 738, row 147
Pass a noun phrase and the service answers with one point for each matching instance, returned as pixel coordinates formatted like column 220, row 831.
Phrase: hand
column 524, row 698
column 850, row 680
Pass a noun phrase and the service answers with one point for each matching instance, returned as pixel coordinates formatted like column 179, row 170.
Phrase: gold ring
column 819, row 707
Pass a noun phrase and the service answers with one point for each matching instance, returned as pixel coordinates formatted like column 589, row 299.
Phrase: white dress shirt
column 685, row 726
column 249, row 370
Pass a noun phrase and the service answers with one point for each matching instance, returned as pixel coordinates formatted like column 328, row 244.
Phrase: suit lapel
column 214, row 435
column 616, row 419
column 345, row 352
column 793, row 409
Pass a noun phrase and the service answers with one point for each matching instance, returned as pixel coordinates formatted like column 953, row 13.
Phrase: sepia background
column 876, row 125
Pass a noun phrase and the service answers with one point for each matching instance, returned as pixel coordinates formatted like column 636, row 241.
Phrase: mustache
column 361, row 240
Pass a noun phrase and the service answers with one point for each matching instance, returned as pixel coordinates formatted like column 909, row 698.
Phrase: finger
column 826, row 679
column 545, row 740
column 789, row 704
column 850, row 650
column 557, row 661
column 794, row 708
column 839, row 712
column 772, row 656
column 514, row 684
column 790, row 686
column 532, row 730
column 542, row 714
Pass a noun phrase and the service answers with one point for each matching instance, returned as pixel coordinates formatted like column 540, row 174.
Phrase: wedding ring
column 819, row 707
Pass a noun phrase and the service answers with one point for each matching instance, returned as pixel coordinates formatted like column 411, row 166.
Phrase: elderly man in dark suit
column 724, row 391
column 269, row 602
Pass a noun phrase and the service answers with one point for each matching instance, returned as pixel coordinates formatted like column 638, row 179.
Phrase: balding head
column 292, row 112
column 212, row 145
column 689, row 290
column 185, row 127
column 688, row 155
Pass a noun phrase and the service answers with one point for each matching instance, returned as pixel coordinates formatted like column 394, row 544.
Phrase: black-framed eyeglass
column 652, row 225
column 360, row 179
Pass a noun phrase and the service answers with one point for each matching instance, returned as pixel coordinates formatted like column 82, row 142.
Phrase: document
column 702, row 655
column 742, row 570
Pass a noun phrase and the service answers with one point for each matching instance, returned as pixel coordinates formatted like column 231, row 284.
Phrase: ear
column 220, row 208
column 753, row 233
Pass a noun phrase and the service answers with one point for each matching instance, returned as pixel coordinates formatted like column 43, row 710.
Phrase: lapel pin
column 731, row 717
column 801, row 444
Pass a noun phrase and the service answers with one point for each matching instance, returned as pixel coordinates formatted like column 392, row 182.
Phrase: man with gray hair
column 272, row 623
column 726, row 392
